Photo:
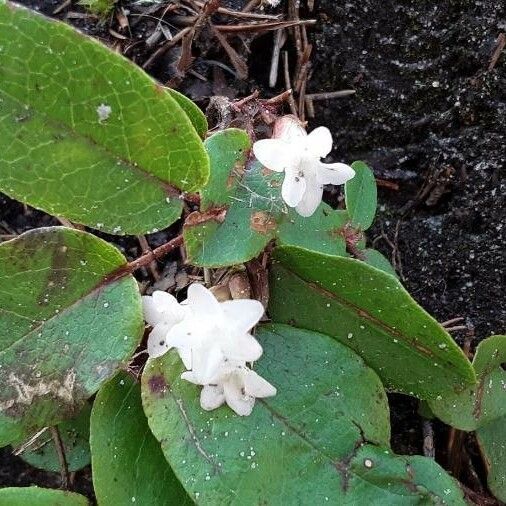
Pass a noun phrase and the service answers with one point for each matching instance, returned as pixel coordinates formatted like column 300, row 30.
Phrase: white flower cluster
column 298, row 155
column 214, row 342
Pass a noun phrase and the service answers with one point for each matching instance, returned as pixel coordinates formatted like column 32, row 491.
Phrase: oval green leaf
column 291, row 448
column 361, row 196
column 372, row 313
column 128, row 464
column 66, row 325
column 36, row 496
column 242, row 210
column 85, row 134
column 75, row 435
column 483, row 408
column 492, row 441
column 484, row 402
column 228, row 153
column 375, row 476
column 376, row 259
column 192, row 110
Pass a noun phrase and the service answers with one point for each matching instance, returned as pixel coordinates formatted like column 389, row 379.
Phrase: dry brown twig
column 499, row 46
column 145, row 248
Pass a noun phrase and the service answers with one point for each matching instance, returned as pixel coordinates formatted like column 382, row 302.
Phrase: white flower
column 234, row 384
column 203, row 330
column 214, row 343
column 162, row 311
column 299, row 156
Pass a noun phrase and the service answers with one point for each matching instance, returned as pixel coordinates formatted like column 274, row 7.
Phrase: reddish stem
column 155, row 254
column 146, row 259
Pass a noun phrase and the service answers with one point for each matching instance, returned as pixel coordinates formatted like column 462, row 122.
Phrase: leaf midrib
column 385, row 328
column 170, row 189
column 102, row 283
column 332, row 460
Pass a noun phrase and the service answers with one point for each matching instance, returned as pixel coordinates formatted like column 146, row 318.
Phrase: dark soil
column 428, row 115
column 427, row 112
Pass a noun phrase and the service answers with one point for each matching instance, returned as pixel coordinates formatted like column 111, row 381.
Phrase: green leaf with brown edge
column 66, row 325
column 75, row 435
column 36, row 496
column 192, row 110
column 128, row 464
column 483, row 408
column 289, row 449
column 87, row 135
column 361, row 196
column 371, row 312
column 242, row 210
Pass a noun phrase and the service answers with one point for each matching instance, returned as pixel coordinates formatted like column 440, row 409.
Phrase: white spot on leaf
column 103, row 111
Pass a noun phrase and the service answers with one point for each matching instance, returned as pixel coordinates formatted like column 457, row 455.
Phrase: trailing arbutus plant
column 264, row 379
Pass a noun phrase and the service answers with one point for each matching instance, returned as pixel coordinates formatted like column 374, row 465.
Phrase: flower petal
column 242, row 348
column 191, row 377
column 184, row 335
column 152, row 315
column 161, row 306
column 293, row 188
column 211, row 397
column 203, row 303
column 206, row 363
column 311, row 198
column 319, row 142
column 157, row 340
column 276, row 154
column 242, row 314
column 334, row 173
column 289, row 129
column 185, row 354
column 257, row 386
column 240, row 403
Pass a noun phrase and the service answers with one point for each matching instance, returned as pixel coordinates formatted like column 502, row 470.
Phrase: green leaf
column 483, row 408
column 242, row 210
column 378, row 477
column 373, row 314
column 75, row 434
column 66, row 325
column 228, row 153
column 361, row 196
column 492, row 441
column 85, row 134
column 322, row 232
column 376, row 259
column 196, row 116
column 289, row 449
column 310, row 444
column 128, row 464
column 35, row 496
column 484, row 402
